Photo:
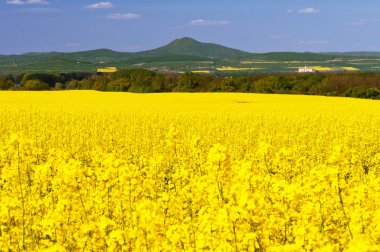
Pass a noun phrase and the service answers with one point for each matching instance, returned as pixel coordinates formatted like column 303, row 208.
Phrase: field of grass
column 94, row 171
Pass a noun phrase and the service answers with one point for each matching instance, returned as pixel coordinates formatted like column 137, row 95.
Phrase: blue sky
column 135, row 25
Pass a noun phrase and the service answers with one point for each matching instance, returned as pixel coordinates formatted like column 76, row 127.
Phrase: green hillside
column 98, row 56
column 189, row 46
column 357, row 54
column 295, row 56
column 186, row 54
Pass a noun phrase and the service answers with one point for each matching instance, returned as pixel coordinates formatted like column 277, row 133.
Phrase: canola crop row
column 93, row 171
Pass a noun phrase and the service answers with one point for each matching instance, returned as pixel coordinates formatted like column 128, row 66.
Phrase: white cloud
column 36, row 1
column 305, row 11
column 122, row 16
column 21, row 2
column 15, row 2
column 101, row 5
column 204, row 22
column 308, row 11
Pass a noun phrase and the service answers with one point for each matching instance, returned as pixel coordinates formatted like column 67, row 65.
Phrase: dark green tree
column 48, row 78
column 187, row 82
column 35, row 85
column 5, row 83
column 228, row 84
column 372, row 93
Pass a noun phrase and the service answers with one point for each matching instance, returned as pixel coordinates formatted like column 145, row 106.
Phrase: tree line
column 360, row 85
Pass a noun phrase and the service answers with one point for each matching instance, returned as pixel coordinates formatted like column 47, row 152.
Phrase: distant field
column 186, row 55
column 87, row 170
column 188, row 64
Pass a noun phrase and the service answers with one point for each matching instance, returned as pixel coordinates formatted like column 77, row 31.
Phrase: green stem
column 22, row 196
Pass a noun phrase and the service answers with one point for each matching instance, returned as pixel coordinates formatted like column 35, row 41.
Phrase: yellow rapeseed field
column 107, row 70
column 236, row 68
column 322, row 69
column 350, row 68
column 201, row 71
column 93, row 171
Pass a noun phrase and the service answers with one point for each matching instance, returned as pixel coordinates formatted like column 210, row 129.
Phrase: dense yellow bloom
column 322, row 69
column 350, row 68
column 201, row 71
column 107, row 70
column 236, row 68
column 93, row 171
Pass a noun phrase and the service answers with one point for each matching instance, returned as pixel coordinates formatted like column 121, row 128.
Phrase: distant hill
column 183, row 52
column 357, row 54
column 98, row 55
column 192, row 47
column 295, row 56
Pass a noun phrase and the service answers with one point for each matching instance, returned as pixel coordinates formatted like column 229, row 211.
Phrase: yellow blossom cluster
column 93, row 171
column 321, row 68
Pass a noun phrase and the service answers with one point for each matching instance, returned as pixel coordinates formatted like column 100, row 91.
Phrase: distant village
column 314, row 69
column 306, row 69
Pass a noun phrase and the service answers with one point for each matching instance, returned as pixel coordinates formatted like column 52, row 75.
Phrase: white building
column 306, row 70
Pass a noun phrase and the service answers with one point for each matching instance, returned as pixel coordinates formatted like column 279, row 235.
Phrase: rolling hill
column 180, row 52
column 192, row 47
